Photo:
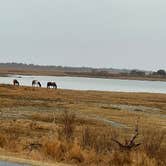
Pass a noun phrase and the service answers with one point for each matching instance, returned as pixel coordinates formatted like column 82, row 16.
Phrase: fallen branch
column 128, row 144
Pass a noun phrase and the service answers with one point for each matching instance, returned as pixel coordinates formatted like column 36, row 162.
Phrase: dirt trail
column 14, row 161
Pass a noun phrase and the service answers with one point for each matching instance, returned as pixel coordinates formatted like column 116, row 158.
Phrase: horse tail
column 56, row 86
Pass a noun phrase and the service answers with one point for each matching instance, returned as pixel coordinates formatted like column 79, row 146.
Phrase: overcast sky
column 96, row 33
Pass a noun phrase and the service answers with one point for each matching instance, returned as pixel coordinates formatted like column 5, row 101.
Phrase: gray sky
column 97, row 33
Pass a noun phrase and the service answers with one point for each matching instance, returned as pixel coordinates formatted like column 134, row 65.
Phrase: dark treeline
column 40, row 67
column 59, row 68
column 159, row 72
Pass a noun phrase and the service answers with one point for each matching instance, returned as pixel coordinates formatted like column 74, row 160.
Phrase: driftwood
column 128, row 145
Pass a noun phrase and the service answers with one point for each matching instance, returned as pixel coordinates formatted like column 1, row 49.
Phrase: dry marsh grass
column 90, row 145
column 62, row 126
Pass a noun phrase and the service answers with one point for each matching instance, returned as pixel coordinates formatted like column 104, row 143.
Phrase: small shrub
column 75, row 154
column 154, row 144
column 3, row 140
column 98, row 140
column 120, row 158
column 140, row 158
column 68, row 125
column 90, row 156
column 54, row 148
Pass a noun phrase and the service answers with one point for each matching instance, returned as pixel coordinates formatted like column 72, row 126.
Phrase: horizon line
column 63, row 66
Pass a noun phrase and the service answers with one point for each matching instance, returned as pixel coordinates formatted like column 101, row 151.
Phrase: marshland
column 82, row 127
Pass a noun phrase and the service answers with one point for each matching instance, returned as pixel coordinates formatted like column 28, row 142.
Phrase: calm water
column 5, row 163
column 80, row 83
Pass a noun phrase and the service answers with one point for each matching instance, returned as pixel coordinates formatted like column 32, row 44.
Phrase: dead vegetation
column 68, row 125
column 85, row 145
column 61, row 133
column 129, row 144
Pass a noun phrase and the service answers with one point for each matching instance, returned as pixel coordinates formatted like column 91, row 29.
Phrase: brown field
column 41, row 72
column 83, row 127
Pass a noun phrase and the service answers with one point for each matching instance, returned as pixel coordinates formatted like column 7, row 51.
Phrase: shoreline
column 97, row 91
column 88, row 91
column 5, row 73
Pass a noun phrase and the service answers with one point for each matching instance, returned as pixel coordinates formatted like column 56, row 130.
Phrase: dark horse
column 36, row 82
column 15, row 82
column 51, row 84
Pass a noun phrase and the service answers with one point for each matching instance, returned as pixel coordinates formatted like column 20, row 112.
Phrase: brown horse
column 51, row 84
column 15, row 82
column 36, row 82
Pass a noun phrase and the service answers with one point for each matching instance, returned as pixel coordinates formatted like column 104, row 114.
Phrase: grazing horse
column 15, row 82
column 36, row 83
column 51, row 84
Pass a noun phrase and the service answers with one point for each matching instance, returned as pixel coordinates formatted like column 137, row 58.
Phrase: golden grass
column 34, row 124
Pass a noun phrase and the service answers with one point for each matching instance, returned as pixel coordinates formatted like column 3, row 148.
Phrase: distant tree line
column 87, row 70
column 160, row 72
column 137, row 73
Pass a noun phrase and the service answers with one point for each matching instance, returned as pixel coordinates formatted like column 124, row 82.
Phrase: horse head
column 39, row 84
